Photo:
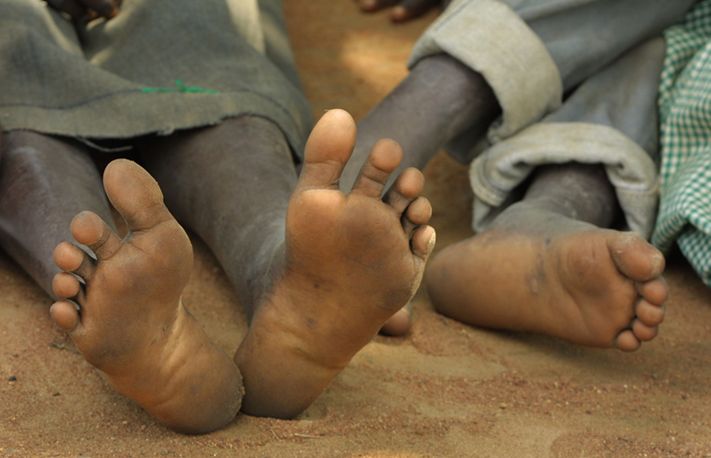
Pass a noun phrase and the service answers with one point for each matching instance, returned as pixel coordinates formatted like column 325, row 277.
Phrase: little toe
column 327, row 150
column 635, row 258
column 423, row 241
column 406, row 188
column 626, row 341
column 383, row 160
column 418, row 213
column 655, row 291
column 65, row 285
column 65, row 315
column 648, row 313
column 643, row 332
column 135, row 195
column 70, row 258
column 89, row 229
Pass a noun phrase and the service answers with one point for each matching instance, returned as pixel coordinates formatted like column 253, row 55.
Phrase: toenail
column 658, row 262
column 432, row 241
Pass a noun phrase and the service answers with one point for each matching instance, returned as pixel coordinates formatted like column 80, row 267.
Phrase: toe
column 648, row 313
column 135, row 195
column 406, row 188
column 327, row 150
column 635, row 258
column 383, row 160
column 70, row 258
column 65, row 315
column 418, row 213
column 655, row 291
column 643, row 332
column 423, row 241
column 65, row 285
column 89, row 229
column 626, row 341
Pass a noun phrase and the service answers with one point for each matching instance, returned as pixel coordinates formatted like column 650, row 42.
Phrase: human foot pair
column 538, row 271
column 351, row 261
column 403, row 10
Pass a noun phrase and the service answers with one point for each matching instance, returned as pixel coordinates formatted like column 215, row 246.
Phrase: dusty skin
column 448, row 389
column 133, row 325
column 572, row 280
column 352, row 261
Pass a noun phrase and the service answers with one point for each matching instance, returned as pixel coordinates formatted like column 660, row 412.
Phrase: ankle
column 578, row 191
column 456, row 98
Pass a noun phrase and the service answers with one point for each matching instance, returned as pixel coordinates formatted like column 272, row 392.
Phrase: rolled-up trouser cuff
column 493, row 40
column 500, row 170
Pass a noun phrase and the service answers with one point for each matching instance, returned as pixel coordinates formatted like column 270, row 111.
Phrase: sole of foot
column 122, row 308
column 586, row 285
column 352, row 261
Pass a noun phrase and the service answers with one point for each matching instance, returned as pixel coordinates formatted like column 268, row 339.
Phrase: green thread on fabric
column 180, row 87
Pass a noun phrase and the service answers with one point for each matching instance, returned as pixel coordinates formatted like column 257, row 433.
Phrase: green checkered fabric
column 685, row 116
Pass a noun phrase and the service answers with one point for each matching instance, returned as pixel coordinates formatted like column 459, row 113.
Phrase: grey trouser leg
column 531, row 52
column 610, row 119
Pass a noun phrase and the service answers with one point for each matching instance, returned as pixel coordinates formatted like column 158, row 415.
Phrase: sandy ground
column 445, row 390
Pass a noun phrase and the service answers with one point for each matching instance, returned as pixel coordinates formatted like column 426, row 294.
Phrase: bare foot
column 403, row 10
column 542, row 272
column 132, row 324
column 351, row 262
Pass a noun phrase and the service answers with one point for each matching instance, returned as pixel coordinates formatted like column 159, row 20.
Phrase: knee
column 26, row 153
column 21, row 149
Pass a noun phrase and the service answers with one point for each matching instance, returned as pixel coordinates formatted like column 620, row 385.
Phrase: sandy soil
column 445, row 390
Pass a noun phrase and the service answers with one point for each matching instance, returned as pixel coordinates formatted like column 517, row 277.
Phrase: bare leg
column 554, row 270
column 44, row 182
column 231, row 185
column 439, row 100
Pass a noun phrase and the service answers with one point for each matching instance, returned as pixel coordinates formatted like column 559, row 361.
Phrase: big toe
column 327, row 150
column 636, row 258
column 135, row 194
